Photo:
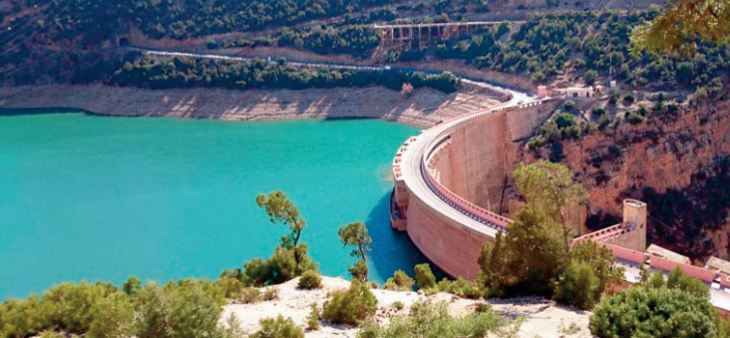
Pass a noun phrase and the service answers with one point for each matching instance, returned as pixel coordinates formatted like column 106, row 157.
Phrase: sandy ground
column 424, row 107
column 535, row 317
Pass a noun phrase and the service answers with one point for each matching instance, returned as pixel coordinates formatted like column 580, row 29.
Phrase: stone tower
column 634, row 214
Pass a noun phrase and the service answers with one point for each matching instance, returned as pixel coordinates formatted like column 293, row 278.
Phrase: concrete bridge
column 404, row 36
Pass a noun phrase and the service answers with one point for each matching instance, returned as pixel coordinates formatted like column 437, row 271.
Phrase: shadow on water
column 392, row 250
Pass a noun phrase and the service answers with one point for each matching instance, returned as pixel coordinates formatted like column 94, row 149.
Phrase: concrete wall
column 479, row 157
column 473, row 163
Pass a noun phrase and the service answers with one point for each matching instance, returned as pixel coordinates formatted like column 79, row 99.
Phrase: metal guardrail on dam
column 473, row 211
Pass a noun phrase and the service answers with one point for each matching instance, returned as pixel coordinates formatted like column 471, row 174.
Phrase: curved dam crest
column 102, row 198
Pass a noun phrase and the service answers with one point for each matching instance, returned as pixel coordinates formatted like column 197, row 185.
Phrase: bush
column 350, row 306
column 462, row 288
column 248, row 295
column 590, row 77
column 634, row 118
column 654, row 312
column 281, row 267
column 398, row 305
column 313, row 318
column 433, row 320
column 185, row 309
column 309, row 280
column 578, row 286
column 424, row 276
column 271, row 293
column 278, row 328
column 399, row 282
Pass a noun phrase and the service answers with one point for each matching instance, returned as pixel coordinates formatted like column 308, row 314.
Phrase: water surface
column 101, row 198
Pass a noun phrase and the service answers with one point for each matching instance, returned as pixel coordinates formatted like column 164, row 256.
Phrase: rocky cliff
column 678, row 163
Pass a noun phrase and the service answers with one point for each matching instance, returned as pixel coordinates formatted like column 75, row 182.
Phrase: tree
column 578, row 285
column 676, row 30
column 281, row 210
column 356, row 235
column 549, row 189
column 654, row 312
column 424, row 276
column 591, row 76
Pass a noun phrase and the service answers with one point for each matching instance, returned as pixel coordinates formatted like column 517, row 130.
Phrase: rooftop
column 667, row 254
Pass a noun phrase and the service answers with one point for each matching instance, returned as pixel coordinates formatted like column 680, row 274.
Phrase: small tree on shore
column 281, row 210
column 356, row 235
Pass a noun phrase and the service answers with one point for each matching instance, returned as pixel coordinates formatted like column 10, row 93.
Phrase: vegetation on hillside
column 182, row 72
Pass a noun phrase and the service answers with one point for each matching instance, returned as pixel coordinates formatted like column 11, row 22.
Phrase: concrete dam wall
column 468, row 163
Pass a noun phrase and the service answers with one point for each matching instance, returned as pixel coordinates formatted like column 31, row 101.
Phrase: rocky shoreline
column 423, row 108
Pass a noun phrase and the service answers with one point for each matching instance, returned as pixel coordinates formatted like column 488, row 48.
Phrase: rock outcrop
column 678, row 164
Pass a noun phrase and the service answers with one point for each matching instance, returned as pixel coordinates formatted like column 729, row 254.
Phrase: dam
column 448, row 196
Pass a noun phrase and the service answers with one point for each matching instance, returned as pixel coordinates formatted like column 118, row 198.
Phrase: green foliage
column 132, row 285
column 561, row 126
column 578, row 286
column 678, row 280
column 187, row 309
column 535, row 254
column 356, row 235
column 350, row 306
column 590, row 76
column 278, row 328
column 284, row 265
column 654, row 312
column 430, row 320
column 461, row 287
column 309, row 280
column 184, row 72
column 424, row 276
column 282, row 210
column 247, row 295
column 676, row 30
column 352, row 39
column 313, row 318
column 399, row 282
column 96, row 310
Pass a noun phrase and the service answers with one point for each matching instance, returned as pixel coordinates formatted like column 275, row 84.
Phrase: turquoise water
column 99, row 198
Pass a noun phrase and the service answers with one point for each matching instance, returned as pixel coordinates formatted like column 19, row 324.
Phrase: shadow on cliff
column 392, row 250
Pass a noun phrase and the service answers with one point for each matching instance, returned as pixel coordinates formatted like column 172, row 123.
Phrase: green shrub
column 654, row 312
column 248, row 295
column 462, row 288
column 424, row 276
column 230, row 287
column 350, row 306
column 398, row 305
column 309, row 280
column 281, row 267
column 590, row 77
column 20, row 318
column 433, row 320
column 578, row 286
column 399, row 282
column 132, row 285
column 176, row 310
column 634, row 118
column 313, row 318
column 270, row 293
column 278, row 328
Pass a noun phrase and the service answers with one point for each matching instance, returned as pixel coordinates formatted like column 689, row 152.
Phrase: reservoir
column 100, row 198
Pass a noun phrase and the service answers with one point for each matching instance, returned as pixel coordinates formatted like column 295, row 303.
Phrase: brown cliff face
column 679, row 165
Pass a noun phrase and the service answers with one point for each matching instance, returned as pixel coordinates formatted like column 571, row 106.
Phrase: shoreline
column 423, row 108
